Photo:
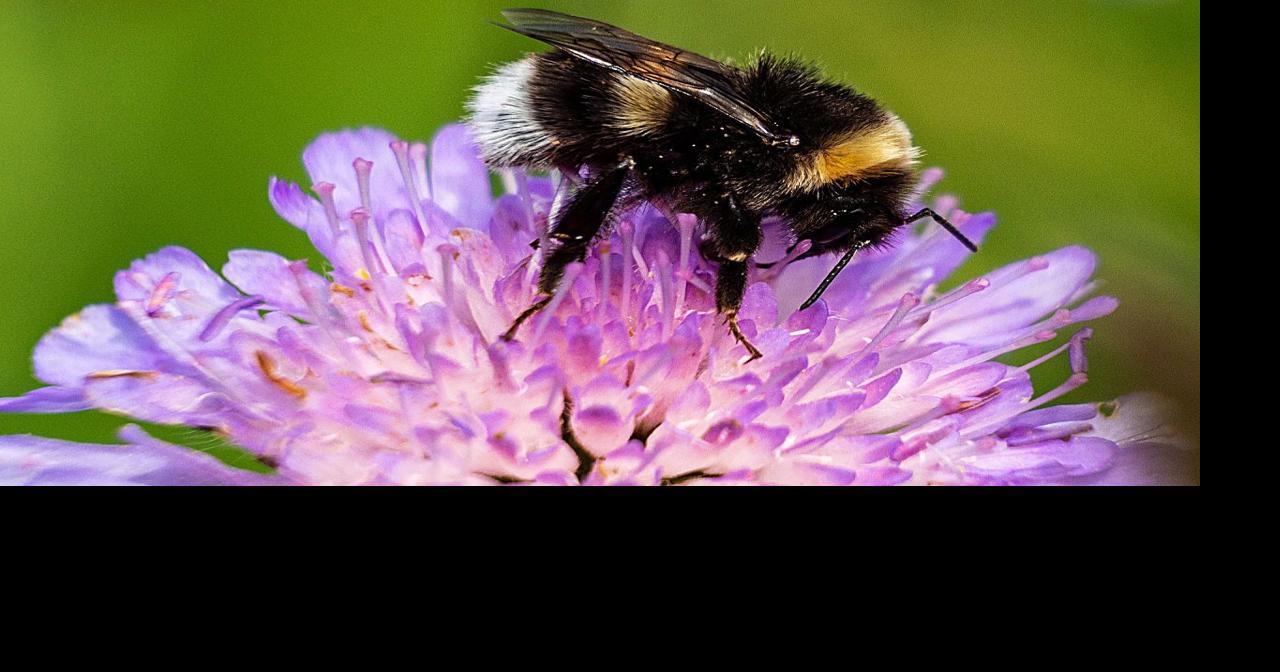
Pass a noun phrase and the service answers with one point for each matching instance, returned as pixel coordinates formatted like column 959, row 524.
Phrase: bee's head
column 838, row 216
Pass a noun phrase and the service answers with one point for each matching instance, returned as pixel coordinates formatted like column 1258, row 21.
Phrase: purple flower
column 383, row 364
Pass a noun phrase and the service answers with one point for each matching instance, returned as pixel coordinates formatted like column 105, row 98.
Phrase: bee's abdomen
column 502, row 116
column 555, row 110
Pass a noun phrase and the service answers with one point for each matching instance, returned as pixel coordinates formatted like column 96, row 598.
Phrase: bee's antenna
column 926, row 212
column 826, row 282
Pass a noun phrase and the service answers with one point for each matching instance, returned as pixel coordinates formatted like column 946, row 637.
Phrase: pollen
column 121, row 373
column 268, row 367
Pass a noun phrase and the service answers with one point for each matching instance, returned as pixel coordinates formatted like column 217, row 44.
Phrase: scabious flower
column 385, row 366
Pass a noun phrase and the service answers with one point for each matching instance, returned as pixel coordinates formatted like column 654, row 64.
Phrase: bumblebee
column 629, row 119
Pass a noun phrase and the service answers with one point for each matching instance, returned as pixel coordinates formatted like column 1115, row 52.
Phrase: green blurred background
column 126, row 126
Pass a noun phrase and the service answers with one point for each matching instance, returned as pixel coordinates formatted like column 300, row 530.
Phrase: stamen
column 1075, row 344
column 1076, row 355
column 223, row 317
column 665, row 282
column 372, row 256
column 571, row 273
column 908, row 301
column 1078, row 377
column 604, row 252
column 968, row 289
column 401, row 149
column 1017, row 344
column 360, row 218
column 448, row 254
column 628, row 244
column 1076, row 380
column 363, row 168
column 163, row 292
column 418, row 162
column 325, row 191
column 684, row 272
column 637, row 252
column 1060, row 318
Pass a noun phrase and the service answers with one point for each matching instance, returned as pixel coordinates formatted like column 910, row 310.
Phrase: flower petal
column 330, row 157
column 1014, row 300
column 273, row 277
column 51, row 399
column 293, row 205
column 98, row 338
column 459, row 181
column 33, row 460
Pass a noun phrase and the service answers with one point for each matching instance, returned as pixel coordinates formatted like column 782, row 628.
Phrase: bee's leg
column 731, row 284
column 528, row 313
column 735, row 237
column 577, row 226
column 831, row 276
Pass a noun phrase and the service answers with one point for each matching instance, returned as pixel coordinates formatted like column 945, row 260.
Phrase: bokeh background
column 128, row 125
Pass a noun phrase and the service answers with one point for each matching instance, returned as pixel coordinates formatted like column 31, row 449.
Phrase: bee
column 630, row 120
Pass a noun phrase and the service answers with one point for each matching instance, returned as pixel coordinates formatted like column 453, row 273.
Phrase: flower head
column 385, row 366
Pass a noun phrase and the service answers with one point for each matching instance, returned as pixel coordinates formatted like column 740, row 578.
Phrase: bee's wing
column 705, row 80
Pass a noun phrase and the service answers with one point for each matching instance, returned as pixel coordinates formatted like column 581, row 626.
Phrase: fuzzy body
column 730, row 145
column 845, row 183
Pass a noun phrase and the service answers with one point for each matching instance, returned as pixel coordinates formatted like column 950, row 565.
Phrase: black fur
column 698, row 154
column 701, row 161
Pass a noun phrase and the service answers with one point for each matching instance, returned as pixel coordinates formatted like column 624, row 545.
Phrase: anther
column 163, row 292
